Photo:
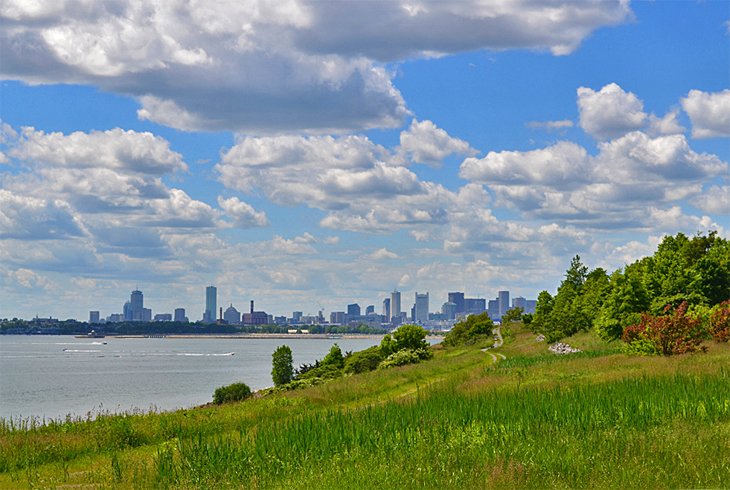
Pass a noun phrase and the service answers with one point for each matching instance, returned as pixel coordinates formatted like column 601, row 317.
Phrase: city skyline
column 315, row 154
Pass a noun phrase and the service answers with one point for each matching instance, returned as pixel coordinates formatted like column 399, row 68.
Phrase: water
column 53, row 376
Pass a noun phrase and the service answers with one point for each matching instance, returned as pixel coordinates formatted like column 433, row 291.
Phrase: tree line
column 681, row 292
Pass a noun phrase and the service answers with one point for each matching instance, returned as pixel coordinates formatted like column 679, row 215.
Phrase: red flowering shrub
column 719, row 326
column 671, row 333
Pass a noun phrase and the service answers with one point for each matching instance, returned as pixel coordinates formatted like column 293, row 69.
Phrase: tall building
column 395, row 311
column 421, row 308
column 353, row 310
column 369, row 310
column 93, row 317
column 386, row 310
column 530, row 306
column 519, row 302
column 211, row 303
column 180, row 315
column 337, row 317
column 231, row 315
column 449, row 310
column 134, row 310
column 493, row 309
column 475, row 306
column 503, row 298
column 458, row 299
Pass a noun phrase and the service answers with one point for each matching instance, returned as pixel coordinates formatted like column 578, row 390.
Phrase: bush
column 468, row 330
column 231, row 393
column 363, row 361
column 669, row 334
column 405, row 356
column 719, row 324
column 323, row 371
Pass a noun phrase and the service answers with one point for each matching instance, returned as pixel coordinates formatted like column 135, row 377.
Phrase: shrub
column 675, row 333
column 719, row 324
column 405, row 356
column 231, row 393
column 363, row 361
column 334, row 358
column 323, row 371
column 282, row 370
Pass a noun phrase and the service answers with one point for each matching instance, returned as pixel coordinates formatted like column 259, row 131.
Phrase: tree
column 410, row 337
column 513, row 315
column 334, row 358
column 231, row 393
column 282, row 369
column 543, row 310
column 468, row 330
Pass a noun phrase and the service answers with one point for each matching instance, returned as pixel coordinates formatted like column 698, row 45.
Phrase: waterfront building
column 163, row 317
column 258, row 317
column 353, row 310
column 296, row 316
column 337, row 317
column 180, row 315
column 386, row 310
column 93, row 317
column 232, row 315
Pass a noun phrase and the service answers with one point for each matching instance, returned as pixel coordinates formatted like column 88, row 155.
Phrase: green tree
column 410, row 337
column 513, row 315
column 543, row 311
column 626, row 298
column 334, row 358
column 282, row 369
column 231, row 393
column 468, row 330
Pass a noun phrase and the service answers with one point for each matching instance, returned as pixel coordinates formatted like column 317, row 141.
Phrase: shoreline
column 240, row 336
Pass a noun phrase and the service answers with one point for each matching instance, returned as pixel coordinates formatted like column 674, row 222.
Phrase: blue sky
column 311, row 154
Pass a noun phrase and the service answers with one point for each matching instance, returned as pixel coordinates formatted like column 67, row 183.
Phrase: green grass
column 595, row 419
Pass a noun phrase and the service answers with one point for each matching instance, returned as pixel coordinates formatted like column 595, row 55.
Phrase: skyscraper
column 503, row 298
column 395, row 305
column 211, row 303
column 421, row 309
column 134, row 310
column 180, row 315
column 386, row 310
column 93, row 317
column 353, row 310
column 458, row 299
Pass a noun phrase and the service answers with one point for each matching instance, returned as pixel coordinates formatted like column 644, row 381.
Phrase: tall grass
column 667, row 431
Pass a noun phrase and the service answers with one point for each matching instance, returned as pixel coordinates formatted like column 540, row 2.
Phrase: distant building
column 449, row 310
column 257, row 317
column 134, row 310
column 395, row 310
column 370, row 310
column 115, row 318
column 94, row 317
column 163, row 317
column 475, row 306
column 386, row 310
column 211, row 303
column 296, row 316
column 503, row 298
column 458, row 299
column 180, row 315
column 421, row 308
column 232, row 315
column 337, row 317
column 530, row 306
column 353, row 310
column 493, row 309
column 519, row 302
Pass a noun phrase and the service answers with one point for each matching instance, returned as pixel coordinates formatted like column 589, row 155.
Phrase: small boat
column 91, row 335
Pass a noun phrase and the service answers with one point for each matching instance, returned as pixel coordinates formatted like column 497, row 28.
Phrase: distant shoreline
column 238, row 336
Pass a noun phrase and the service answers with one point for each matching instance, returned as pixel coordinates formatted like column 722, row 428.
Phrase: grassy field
column 593, row 419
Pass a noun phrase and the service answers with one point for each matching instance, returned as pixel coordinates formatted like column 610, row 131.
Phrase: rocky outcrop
column 561, row 348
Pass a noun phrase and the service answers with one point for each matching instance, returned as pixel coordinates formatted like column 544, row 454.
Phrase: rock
column 561, row 348
column 540, row 338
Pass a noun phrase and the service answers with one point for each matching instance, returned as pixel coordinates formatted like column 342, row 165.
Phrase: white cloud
column 424, row 142
column 271, row 66
column 669, row 124
column 26, row 278
column 562, row 165
column 709, row 113
column 714, row 200
column 243, row 214
column 29, row 218
column 610, row 112
column 551, row 125
column 115, row 149
column 382, row 253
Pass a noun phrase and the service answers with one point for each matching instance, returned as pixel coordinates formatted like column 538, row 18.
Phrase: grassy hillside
column 598, row 418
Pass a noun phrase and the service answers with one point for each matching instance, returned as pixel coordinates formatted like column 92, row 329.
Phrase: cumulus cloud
column 709, row 113
column 29, row 218
column 714, row 200
column 610, row 112
column 243, row 214
column 382, row 253
column 551, row 125
column 424, row 142
column 271, row 66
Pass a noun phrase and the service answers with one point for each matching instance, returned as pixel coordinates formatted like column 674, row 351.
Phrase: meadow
column 598, row 418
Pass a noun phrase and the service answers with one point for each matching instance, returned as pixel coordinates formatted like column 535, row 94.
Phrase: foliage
column 334, row 357
column 719, row 323
column 410, row 337
column 406, row 356
column 363, row 361
column 675, row 333
column 231, row 393
column 469, row 330
column 513, row 315
column 282, row 371
column 324, row 371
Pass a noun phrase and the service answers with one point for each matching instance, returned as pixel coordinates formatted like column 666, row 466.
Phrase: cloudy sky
column 309, row 154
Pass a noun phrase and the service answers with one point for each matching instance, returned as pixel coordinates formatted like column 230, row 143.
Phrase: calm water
column 52, row 376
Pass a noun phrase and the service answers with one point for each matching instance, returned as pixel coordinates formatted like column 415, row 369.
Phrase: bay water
column 54, row 376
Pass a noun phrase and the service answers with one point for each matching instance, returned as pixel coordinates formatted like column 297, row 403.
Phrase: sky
column 310, row 154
